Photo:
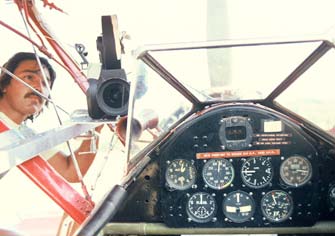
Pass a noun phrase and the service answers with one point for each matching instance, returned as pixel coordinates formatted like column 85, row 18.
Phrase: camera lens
column 113, row 97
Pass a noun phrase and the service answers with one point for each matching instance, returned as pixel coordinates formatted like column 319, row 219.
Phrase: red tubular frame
column 54, row 185
column 37, row 169
column 70, row 64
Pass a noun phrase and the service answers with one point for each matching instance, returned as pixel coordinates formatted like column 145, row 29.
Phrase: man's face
column 21, row 99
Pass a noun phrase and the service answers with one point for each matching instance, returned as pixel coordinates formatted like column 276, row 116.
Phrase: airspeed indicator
column 218, row 173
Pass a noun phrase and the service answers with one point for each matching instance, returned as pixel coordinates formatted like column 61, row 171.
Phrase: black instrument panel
column 239, row 166
column 235, row 166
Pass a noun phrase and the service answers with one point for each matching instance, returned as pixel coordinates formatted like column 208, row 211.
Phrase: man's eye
column 28, row 77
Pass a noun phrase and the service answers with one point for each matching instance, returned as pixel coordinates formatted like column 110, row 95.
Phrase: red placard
column 233, row 154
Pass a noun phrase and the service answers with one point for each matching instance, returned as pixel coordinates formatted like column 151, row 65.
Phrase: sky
column 149, row 22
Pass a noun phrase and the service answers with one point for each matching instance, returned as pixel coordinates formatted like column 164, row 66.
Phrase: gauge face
column 277, row 206
column 201, row 207
column 257, row 172
column 180, row 174
column 218, row 173
column 238, row 206
column 296, row 171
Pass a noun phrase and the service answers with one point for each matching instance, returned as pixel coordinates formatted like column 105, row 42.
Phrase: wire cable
column 72, row 155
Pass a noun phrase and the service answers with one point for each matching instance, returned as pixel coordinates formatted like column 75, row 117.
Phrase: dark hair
column 14, row 62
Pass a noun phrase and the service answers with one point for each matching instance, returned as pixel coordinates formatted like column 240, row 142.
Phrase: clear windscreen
column 155, row 107
column 238, row 73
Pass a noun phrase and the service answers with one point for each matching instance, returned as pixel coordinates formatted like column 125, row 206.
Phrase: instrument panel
column 239, row 166
column 235, row 166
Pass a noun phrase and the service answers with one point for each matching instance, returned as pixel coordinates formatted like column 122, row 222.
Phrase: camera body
column 108, row 96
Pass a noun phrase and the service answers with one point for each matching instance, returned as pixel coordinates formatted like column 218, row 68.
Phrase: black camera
column 108, row 96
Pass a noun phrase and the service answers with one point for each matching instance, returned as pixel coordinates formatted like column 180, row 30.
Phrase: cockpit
column 234, row 148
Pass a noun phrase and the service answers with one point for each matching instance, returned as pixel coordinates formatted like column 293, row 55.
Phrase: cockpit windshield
column 229, row 72
column 234, row 73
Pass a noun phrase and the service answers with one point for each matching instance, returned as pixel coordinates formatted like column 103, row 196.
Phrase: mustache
column 33, row 94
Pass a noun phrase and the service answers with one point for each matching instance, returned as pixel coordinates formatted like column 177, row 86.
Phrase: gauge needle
column 248, row 171
column 274, row 199
column 303, row 171
column 182, row 168
column 181, row 180
column 238, row 197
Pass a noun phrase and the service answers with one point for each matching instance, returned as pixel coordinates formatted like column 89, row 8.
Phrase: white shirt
column 8, row 122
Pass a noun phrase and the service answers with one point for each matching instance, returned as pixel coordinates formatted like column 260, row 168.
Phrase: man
column 19, row 103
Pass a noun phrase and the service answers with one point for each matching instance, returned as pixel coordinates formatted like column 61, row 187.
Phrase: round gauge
column 257, row 172
column 277, row 206
column 201, row 207
column 218, row 173
column 235, row 133
column 180, row 174
column 296, row 171
column 238, row 206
